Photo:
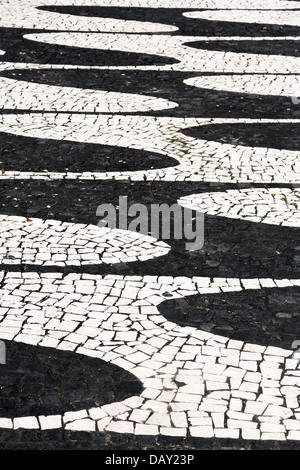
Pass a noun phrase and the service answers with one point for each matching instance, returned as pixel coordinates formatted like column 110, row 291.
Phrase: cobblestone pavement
column 114, row 339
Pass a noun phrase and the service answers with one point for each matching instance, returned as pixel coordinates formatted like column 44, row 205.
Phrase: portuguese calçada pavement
column 116, row 339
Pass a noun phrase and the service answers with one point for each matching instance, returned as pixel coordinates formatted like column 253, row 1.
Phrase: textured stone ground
column 117, row 340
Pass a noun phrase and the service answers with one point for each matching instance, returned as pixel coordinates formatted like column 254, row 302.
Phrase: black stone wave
column 42, row 381
column 173, row 16
column 193, row 101
column 268, row 317
column 19, row 49
column 283, row 47
column 145, row 445
column 279, row 136
column 38, row 154
column 232, row 247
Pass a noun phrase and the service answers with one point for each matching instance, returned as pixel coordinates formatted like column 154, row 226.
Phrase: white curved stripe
column 26, row 15
column 190, row 59
column 209, row 4
column 291, row 18
column 17, row 94
column 118, row 322
column 50, row 242
column 276, row 206
column 204, row 161
column 276, row 85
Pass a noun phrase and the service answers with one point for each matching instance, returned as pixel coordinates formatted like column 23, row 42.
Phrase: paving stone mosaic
column 118, row 340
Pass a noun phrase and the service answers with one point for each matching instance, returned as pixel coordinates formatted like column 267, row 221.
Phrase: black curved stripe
column 173, row 16
column 266, row 317
column 19, row 49
column 232, row 247
column 283, row 48
column 39, row 380
column 37, row 154
column 193, row 101
column 271, row 135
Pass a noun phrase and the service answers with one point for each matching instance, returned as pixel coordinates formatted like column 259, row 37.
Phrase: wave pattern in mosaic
column 195, row 383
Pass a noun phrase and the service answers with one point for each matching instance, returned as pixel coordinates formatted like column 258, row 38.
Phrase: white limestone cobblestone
column 205, row 389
